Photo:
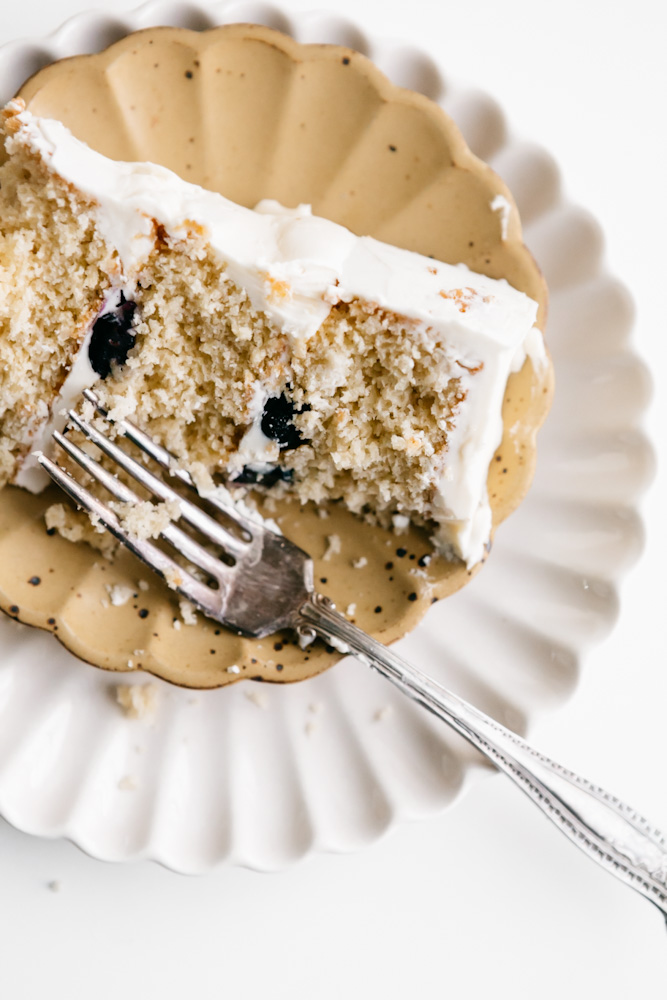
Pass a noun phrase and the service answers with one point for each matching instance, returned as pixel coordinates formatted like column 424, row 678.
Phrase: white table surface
column 486, row 899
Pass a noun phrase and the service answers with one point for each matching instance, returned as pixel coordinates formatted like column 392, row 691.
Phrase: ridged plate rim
column 82, row 33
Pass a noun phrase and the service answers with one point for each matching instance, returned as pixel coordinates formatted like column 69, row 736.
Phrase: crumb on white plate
column 127, row 783
column 55, row 885
column 258, row 698
column 138, row 701
column 384, row 713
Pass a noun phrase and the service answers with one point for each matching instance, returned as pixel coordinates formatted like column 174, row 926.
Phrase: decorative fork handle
column 610, row 832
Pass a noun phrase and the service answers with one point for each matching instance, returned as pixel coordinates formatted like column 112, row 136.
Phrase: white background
column 487, row 899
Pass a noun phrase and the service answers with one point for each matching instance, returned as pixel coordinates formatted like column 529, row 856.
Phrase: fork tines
column 212, row 531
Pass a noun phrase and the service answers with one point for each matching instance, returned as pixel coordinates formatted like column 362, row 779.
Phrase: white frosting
column 295, row 266
column 256, row 450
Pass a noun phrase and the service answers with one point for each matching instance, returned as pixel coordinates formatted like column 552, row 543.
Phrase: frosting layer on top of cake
column 295, row 267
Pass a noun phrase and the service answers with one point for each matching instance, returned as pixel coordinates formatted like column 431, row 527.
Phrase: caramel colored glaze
column 249, row 112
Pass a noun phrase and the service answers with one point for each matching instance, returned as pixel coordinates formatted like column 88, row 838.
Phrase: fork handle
column 610, row 832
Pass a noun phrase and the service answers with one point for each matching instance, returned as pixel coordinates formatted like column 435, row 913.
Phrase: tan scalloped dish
column 297, row 278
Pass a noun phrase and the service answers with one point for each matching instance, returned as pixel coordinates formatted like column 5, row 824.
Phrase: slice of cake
column 269, row 349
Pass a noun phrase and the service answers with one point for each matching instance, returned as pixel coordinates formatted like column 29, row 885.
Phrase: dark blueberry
column 35, row 581
column 412, row 596
column 112, row 338
column 249, row 476
column 143, row 613
column 278, row 421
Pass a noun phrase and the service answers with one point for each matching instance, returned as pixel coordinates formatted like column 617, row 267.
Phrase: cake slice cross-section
column 268, row 349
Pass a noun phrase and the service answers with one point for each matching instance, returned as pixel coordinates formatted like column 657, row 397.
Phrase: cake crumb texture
column 55, row 269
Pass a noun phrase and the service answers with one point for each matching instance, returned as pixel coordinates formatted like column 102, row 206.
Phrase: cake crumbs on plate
column 188, row 613
column 310, row 727
column 119, row 593
column 400, row 523
column 334, row 546
column 55, row 885
column 315, row 707
column 95, row 521
column 70, row 525
column 258, row 698
column 360, row 562
column 138, row 701
column 127, row 783
column 384, row 713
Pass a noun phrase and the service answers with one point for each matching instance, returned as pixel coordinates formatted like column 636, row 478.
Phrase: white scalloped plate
column 330, row 763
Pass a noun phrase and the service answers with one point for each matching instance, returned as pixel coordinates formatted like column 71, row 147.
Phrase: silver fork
column 266, row 584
